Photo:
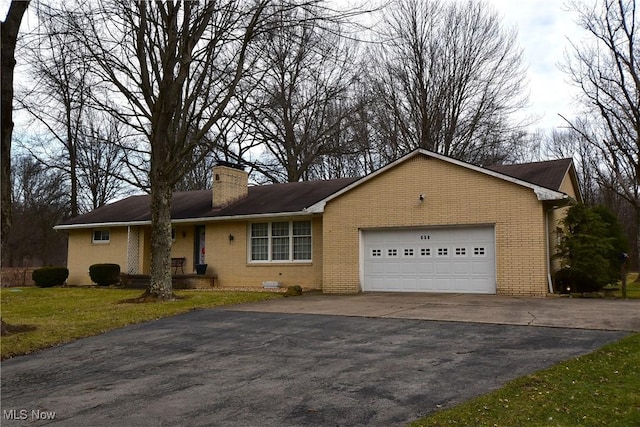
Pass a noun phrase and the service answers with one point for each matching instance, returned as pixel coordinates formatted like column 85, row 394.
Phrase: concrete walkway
column 562, row 312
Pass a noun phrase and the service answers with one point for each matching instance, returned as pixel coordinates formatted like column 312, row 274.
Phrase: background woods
column 116, row 97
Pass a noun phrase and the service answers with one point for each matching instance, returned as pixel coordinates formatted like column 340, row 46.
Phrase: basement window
column 100, row 236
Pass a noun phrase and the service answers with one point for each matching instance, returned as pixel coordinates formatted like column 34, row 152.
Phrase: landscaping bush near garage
column 47, row 277
column 591, row 250
column 105, row 274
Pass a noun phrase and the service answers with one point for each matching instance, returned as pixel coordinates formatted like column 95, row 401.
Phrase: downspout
column 547, row 237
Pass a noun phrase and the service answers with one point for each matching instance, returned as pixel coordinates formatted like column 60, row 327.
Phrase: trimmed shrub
column 293, row 291
column 47, row 277
column 568, row 280
column 105, row 274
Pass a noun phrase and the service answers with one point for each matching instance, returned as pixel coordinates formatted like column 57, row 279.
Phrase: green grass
column 598, row 389
column 633, row 287
column 59, row 315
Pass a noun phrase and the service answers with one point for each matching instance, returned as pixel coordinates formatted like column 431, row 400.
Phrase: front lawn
column 51, row 316
column 598, row 389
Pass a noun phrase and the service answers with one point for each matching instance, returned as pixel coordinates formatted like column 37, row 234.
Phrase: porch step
column 183, row 281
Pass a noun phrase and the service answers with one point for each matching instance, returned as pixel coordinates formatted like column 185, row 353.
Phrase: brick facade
column 452, row 196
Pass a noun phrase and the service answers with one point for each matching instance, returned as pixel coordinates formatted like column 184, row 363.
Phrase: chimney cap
column 229, row 164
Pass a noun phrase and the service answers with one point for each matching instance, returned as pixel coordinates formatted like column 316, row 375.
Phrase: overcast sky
column 543, row 28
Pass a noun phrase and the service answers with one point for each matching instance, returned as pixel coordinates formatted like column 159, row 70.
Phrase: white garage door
column 430, row 260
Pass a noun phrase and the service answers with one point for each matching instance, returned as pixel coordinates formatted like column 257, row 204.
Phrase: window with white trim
column 100, row 235
column 280, row 241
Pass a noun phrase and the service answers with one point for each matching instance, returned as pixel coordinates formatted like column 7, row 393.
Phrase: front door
column 199, row 248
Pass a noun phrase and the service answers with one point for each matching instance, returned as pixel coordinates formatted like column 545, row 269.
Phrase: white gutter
column 185, row 220
column 101, row 225
column 548, row 248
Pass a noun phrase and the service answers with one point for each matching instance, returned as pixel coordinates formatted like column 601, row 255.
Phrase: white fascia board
column 318, row 207
column 542, row 193
column 185, row 220
column 100, row 225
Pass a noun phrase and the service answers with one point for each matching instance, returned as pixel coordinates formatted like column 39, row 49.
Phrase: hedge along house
column 424, row 223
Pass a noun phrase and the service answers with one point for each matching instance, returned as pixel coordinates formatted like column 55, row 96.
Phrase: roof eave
column 185, row 220
column 542, row 193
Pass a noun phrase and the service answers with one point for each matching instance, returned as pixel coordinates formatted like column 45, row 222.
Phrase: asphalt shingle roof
column 283, row 198
column 262, row 199
column 548, row 174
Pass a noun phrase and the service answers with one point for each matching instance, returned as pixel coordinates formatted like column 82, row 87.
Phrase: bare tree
column 297, row 107
column 58, row 96
column 9, row 35
column 101, row 161
column 606, row 68
column 39, row 202
column 567, row 143
column 449, row 78
column 173, row 68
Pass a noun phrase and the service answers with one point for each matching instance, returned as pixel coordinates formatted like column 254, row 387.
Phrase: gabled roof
column 542, row 192
column 301, row 198
column 549, row 174
column 289, row 198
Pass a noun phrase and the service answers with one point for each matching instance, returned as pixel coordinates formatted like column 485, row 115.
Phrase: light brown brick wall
column 229, row 185
column 453, row 196
column 229, row 260
column 83, row 253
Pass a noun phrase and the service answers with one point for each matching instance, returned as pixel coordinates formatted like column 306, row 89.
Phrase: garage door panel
column 431, row 260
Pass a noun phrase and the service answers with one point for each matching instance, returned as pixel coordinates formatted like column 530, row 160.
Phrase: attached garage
column 441, row 259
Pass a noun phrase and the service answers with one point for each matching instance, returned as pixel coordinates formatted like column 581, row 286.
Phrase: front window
column 281, row 241
column 100, row 235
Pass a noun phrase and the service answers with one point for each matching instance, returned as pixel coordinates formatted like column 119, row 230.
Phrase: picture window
column 280, row 241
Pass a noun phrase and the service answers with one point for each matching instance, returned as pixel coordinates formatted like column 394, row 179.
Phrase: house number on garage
column 425, row 237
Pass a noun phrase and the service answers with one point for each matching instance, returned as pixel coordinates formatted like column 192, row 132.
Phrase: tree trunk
column 160, row 287
column 9, row 35
column 637, row 225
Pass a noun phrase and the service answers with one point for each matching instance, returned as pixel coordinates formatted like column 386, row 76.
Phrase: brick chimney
column 230, row 183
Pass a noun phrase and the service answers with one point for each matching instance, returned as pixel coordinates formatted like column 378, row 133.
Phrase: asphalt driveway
column 246, row 368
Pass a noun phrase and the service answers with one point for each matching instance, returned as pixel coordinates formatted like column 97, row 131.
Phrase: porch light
column 230, row 238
